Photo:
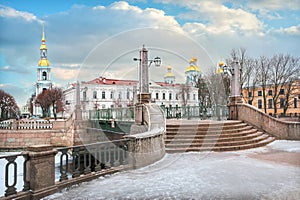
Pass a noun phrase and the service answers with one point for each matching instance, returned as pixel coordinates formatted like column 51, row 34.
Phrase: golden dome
column 169, row 67
column 169, row 74
column 44, row 62
column 43, row 46
column 221, row 63
column 192, row 68
column 194, row 59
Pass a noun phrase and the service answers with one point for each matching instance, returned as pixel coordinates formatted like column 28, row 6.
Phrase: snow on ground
column 206, row 175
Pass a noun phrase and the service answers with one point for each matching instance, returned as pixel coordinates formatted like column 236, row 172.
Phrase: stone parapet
column 280, row 129
column 41, row 170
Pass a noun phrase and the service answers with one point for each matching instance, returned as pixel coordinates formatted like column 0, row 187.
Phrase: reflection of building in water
column 43, row 75
column 107, row 93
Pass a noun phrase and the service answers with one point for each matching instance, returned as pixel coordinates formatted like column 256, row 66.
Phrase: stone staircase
column 184, row 136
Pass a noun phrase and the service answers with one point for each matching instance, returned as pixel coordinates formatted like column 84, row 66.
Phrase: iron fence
column 84, row 159
column 118, row 114
column 214, row 112
column 15, row 173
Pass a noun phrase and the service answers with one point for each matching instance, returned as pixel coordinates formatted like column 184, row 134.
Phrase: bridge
column 89, row 145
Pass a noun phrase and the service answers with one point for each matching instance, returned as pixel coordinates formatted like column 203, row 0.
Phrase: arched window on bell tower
column 44, row 76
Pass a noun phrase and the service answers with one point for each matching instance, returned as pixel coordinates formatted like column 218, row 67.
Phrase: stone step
column 174, row 124
column 185, row 131
column 205, row 125
column 218, row 143
column 197, row 139
column 188, row 135
column 222, row 148
column 206, row 128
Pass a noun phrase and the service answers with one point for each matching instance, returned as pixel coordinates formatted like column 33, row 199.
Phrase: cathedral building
column 109, row 93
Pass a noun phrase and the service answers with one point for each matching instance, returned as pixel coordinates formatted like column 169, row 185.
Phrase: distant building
column 108, row 93
column 254, row 96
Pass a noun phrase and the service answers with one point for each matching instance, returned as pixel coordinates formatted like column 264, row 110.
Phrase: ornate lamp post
column 235, row 90
column 144, row 96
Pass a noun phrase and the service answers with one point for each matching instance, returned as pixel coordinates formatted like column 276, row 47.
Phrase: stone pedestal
column 233, row 109
column 144, row 98
column 41, row 170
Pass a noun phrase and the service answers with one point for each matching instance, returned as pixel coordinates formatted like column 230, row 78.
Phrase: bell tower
column 44, row 69
column 43, row 75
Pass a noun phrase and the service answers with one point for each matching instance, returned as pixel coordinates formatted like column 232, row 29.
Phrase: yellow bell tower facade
column 43, row 73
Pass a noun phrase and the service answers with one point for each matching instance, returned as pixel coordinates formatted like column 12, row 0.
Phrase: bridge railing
column 118, row 114
column 73, row 165
column 78, row 160
column 188, row 112
column 11, row 166
column 8, row 124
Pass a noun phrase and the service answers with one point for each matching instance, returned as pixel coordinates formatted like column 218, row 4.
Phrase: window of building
column 103, row 95
column 164, row 96
column 259, row 103
column 84, row 96
column 259, row 93
column 250, row 102
column 44, row 76
column 156, row 95
column 295, row 103
column 281, row 102
column 249, row 94
column 188, row 96
column 270, row 92
column 194, row 96
column 95, row 95
column 128, row 95
column 270, row 103
column 120, row 95
column 170, row 96
column 281, row 91
column 111, row 95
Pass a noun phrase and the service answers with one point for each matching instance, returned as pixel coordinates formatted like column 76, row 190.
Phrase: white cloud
column 12, row 13
column 122, row 5
column 216, row 18
column 274, row 4
column 292, row 30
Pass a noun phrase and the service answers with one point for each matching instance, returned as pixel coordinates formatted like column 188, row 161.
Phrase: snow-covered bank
column 207, row 175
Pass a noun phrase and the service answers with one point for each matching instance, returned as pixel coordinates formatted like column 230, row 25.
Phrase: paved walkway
column 271, row 172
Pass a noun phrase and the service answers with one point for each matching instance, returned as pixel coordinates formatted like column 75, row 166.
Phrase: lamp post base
column 233, row 109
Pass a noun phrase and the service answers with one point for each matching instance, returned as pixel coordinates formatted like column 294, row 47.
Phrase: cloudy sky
column 88, row 39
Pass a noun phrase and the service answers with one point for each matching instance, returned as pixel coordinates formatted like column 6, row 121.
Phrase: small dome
column 43, row 46
column 44, row 62
column 221, row 63
column 169, row 74
column 169, row 67
column 194, row 59
column 192, row 68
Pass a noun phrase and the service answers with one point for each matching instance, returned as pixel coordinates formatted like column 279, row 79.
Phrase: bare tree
column 263, row 75
column 8, row 105
column 283, row 70
column 184, row 93
column 44, row 102
column 291, row 91
column 55, row 97
column 250, row 78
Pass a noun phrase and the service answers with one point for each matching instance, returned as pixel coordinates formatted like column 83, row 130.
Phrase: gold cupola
column 43, row 52
column 193, row 65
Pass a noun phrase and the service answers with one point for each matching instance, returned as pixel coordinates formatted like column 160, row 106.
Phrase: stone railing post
column 41, row 171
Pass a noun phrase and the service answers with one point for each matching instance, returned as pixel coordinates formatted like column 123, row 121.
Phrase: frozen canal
column 271, row 172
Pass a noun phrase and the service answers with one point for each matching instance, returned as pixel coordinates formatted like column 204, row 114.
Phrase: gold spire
column 43, row 45
column 43, row 51
column 43, row 35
